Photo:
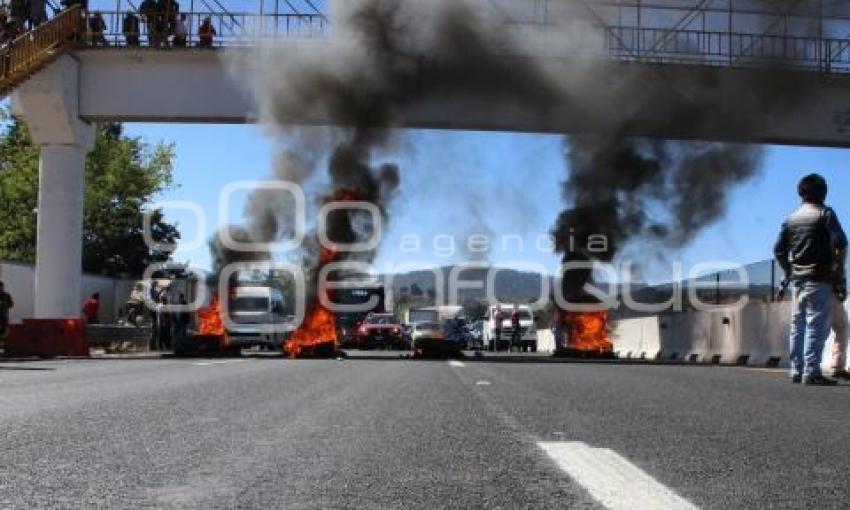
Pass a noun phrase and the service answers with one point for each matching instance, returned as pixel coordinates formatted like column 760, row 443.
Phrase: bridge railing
column 232, row 28
column 727, row 49
column 656, row 45
column 27, row 53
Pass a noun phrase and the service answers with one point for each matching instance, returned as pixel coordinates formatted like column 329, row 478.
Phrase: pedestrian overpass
column 61, row 85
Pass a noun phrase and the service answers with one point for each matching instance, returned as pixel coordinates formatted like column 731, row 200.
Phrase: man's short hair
column 812, row 188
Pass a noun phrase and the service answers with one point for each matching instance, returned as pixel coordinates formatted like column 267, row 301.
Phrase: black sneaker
column 818, row 380
column 841, row 374
column 796, row 379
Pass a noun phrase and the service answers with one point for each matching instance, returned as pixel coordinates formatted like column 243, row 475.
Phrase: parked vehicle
column 380, row 330
column 528, row 330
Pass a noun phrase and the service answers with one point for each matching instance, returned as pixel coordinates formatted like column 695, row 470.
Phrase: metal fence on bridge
column 804, row 34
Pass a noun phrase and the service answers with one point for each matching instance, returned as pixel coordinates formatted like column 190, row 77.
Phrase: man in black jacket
column 811, row 245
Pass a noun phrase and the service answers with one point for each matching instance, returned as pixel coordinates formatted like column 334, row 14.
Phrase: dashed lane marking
column 456, row 363
column 217, row 362
column 482, row 383
column 611, row 479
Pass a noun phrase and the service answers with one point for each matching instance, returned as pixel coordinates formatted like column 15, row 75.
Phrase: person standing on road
column 497, row 327
column 558, row 329
column 6, row 304
column 840, row 325
column 840, row 328
column 91, row 309
column 811, row 243
column 163, row 324
column 181, row 324
column 515, row 328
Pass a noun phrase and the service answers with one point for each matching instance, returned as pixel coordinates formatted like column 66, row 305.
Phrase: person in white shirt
column 180, row 32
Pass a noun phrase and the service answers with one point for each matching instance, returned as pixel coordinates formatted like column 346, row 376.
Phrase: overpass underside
column 672, row 100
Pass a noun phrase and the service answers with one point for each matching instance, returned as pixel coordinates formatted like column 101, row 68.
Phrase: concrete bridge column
column 48, row 103
column 60, row 231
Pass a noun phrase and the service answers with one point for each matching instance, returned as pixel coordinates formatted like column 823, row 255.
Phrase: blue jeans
column 810, row 323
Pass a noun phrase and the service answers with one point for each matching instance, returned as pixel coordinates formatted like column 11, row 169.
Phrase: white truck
column 257, row 317
column 497, row 338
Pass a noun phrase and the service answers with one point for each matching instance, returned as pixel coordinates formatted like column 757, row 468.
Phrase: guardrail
column 32, row 50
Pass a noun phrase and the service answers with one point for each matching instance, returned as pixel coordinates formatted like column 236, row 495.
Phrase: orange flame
column 209, row 319
column 588, row 332
column 316, row 334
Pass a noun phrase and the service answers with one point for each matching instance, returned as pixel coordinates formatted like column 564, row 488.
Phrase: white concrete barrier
column 636, row 338
column 545, row 340
column 763, row 330
column 755, row 335
column 690, row 336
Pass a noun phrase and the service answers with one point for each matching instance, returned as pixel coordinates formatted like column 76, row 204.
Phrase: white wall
column 19, row 280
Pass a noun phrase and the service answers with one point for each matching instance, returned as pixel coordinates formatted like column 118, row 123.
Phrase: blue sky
column 513, row 180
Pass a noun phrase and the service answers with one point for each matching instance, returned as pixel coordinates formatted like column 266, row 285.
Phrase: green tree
column 123, row 176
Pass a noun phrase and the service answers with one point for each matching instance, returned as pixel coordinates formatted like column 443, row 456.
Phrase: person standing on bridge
column 163, row 8
column 6, row 304
column 97, row 27
column 149, row 12
column 130, row 28
column 811, row 243
column 206, row 32
column 37, row 12
column 181, row 32
column 19, row 12
column 172, row 14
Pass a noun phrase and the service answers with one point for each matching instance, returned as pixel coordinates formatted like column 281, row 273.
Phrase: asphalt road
column 392, row 433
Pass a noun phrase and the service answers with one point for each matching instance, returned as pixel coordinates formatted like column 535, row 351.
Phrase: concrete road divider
column 756, row 335
column 636, row 338
column 545, row 340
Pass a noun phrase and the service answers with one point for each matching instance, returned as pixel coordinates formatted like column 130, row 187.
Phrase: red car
column 380, row 330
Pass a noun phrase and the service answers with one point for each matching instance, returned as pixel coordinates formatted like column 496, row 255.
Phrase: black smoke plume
column 384, row 59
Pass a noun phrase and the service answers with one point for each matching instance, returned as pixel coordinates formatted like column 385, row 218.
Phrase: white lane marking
column 219, row 362
column 482, row 383
column 611, row 479
column 456, row 363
